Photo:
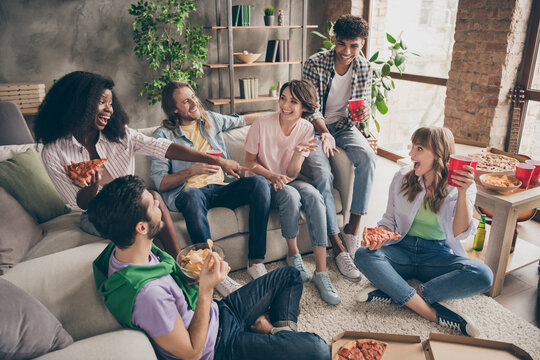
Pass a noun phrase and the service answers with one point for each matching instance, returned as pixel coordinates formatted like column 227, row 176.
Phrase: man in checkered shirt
column 340, row 75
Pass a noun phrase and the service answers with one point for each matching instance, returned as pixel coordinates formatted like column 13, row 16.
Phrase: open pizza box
column 437, row 347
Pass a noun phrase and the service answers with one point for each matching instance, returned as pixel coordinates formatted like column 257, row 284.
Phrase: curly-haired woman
column 81, row 119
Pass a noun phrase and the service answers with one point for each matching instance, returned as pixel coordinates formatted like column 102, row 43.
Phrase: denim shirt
column 159, row 168
column 400, row 213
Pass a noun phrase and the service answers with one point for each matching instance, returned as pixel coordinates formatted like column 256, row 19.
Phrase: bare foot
column 262, row 325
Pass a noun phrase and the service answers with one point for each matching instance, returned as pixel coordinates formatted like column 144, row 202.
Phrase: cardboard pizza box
column 437, row 347
column 519, row 157
column 451, row 347
column 399, row 346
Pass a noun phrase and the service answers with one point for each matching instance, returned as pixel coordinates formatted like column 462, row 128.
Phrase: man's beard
column 154, row 228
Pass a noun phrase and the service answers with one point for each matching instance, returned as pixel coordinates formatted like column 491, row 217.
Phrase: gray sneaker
column 326, row 289
column 296, row 262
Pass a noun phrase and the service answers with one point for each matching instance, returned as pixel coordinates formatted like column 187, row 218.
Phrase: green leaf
column 379, row 62
column 381, row 106
column 316, row 33
column 387, row 83
column 374, row 57
column 385, row 70
column 397, row 46
column 328, row 44
column 414, row 53
column 329, row 27
column 403, row 46
column 400, row 59
column 390, row 38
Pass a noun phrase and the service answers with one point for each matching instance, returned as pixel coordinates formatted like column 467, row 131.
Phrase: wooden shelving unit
column 231, row 98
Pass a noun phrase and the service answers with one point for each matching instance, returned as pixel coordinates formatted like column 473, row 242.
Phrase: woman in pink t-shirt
column 276, row 146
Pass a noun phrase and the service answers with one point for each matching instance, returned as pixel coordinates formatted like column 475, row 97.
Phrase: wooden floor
column 520, row 291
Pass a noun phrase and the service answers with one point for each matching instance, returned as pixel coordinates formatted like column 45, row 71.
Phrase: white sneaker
column 256, row 270
column 227, row 286
column 347, row 268
column 351, row 242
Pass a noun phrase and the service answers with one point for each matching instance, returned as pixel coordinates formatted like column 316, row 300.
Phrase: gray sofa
column 58, row 269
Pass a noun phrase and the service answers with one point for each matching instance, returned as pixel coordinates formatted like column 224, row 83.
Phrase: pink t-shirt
column 274, row 149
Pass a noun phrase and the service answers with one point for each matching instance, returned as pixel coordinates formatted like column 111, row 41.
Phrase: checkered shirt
column 318, row 70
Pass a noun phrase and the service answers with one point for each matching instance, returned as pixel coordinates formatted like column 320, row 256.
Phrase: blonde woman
column 432, row 217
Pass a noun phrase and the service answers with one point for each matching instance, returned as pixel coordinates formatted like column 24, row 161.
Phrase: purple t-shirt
column 158, row 304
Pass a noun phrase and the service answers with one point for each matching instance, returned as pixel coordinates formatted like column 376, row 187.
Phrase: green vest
column 120, row 290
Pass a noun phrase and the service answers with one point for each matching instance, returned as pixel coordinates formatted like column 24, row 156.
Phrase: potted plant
column 173, row 46
column 381, row 81
column 273, row 91
column 269, row 15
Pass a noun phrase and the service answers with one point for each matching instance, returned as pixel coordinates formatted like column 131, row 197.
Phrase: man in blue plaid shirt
column 340, row 75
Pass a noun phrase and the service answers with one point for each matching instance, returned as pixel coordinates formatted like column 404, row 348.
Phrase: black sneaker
column 370, row 294
column 449, row 318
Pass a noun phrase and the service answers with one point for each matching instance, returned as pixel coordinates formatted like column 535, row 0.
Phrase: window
column 428, row 28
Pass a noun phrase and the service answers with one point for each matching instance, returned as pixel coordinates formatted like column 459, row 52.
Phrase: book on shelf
column 241, row 15
column 271, row 49
column 277, row 51
column 249, row 88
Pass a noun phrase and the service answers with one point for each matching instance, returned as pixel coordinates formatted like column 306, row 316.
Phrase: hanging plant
column 172, row 46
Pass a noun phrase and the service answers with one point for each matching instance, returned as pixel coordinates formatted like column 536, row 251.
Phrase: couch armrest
column 343, row 171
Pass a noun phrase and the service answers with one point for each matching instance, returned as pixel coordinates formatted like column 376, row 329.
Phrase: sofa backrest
column 64, row 283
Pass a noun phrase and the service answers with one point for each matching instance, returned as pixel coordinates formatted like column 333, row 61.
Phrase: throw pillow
column 28, row 329
column 25, row 178
column 19, row 232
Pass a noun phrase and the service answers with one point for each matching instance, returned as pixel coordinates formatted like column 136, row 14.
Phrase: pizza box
column 450, row 347
column 437, row 347
column 399, row 346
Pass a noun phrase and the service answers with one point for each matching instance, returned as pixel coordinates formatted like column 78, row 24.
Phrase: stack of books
column 277, row 51
column 241, row 15
column 249, row 88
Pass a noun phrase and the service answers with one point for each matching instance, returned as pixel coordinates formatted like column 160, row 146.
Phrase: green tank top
column 426, row 225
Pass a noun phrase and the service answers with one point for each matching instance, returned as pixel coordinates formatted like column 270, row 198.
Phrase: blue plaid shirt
column 319, row 68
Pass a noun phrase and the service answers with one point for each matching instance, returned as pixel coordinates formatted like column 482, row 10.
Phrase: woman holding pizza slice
column 81, row 119
column 432, row 218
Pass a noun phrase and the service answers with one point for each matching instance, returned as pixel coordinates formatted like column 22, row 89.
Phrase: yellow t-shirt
column 193, row 132
column 426, row 225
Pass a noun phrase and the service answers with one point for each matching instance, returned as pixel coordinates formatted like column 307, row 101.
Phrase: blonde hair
column 440, row 141
column 168, row 105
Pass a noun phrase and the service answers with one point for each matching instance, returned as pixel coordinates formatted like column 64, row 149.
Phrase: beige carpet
column 495, row 321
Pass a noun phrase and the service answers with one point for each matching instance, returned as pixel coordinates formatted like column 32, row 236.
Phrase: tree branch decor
column 171, row 45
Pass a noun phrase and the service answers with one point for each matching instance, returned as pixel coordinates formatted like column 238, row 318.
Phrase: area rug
column 495, row 321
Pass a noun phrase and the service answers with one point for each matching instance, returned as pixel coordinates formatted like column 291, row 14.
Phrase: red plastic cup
column 456, row 163
column 214, row 153
column 355, row 105
column 536, row 173
column 474, row 162
column 524, row 173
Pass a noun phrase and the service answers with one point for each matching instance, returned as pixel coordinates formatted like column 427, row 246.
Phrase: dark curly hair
column 117, row 208
column 70, row 107
column 350, row 27
column 305, row 92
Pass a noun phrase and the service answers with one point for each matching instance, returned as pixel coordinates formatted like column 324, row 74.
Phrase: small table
column 505, row 209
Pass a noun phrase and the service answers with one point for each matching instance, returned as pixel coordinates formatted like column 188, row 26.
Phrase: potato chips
column 193, row 262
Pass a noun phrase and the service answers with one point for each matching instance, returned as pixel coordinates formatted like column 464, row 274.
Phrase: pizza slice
column 361, row 349
column 79, row 172
column 378, row 234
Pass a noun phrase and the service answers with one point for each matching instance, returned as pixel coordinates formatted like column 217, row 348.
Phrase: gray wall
column 42, row 40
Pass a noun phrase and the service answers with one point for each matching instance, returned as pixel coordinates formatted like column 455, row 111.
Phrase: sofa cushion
column 19, row 232
column 25, row 178
column 27, row 328
column 61, row 233
column 64, row 283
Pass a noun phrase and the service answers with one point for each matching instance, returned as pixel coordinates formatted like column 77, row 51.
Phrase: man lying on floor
column 145, row 289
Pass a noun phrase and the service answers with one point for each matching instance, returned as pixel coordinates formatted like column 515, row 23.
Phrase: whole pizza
column 361, row 349
column 489, row 162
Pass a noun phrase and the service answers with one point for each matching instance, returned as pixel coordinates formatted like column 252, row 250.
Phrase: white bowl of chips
column 191, row 258
column 499, row 182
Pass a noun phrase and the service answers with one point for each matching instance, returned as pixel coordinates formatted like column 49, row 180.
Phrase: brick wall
column 489, row 42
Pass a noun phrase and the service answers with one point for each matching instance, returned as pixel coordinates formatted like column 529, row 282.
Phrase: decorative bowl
column 500, row 182
column 195, row 274
column 247, row 58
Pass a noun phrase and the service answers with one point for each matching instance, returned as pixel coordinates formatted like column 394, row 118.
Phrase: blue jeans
column 194, row 204
column 298, row 195
column 278, row 293
column 444, row 275
column 363, row 158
